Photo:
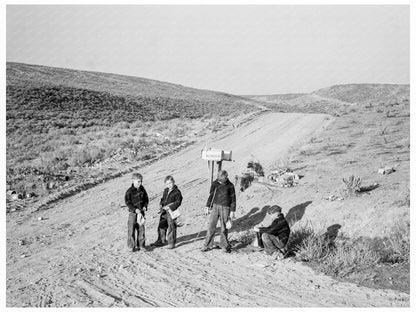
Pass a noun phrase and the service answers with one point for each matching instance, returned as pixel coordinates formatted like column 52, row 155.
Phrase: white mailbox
column 212, row 154
column 227, row 155
column 216, row 154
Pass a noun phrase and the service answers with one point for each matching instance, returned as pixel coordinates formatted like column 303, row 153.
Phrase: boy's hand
column 137, row 210
column 232, row 214
column 256, row 229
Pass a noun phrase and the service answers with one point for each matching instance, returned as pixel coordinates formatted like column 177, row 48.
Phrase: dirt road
column 77, row 256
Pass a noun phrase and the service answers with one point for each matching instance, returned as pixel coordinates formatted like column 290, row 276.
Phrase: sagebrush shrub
column 399, row 239
column 344, row 255
column 352, row 185
column 257, row 167
column 245, row 181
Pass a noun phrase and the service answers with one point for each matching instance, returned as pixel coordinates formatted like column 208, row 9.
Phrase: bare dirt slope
column 77, row 255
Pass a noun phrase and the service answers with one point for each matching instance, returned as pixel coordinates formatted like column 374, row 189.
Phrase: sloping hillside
column 276, row 98
column 336, row 99
column 60, row 119
column 39, row 97
column 126, row 86
column 354, row 93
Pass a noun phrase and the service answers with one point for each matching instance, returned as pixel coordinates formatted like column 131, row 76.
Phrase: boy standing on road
column 276, row 235
column 136, row 200
column 170, row 201
column 220, row 205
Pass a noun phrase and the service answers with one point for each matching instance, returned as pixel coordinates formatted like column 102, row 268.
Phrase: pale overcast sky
column 236, row 49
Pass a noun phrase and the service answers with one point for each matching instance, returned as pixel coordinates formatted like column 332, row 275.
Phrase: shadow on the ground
column 249, row 220
column 369, row 188
column 332, row 232
column 246, row 222
column 296, row 213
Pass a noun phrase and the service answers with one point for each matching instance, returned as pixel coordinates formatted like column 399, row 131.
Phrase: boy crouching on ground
column 136, row 200
column 276, row 235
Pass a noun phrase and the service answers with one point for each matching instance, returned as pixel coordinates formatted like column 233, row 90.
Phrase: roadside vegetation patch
column 343, row 257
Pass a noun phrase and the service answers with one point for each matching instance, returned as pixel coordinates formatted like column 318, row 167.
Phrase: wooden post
column 212, row 172
column 219, row 163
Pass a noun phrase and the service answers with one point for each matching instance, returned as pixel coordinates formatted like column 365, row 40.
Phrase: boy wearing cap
column 136, row 200
column 220, row 205
column 276, row 235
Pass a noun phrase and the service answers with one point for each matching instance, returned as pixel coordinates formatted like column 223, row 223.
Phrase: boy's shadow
column 296, row 213
column 249, row 220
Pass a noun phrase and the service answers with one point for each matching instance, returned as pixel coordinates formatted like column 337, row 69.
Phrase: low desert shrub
column 399, row 243
column 244, row 181
column 343, row 255
column 352, row 185
column 257, row 167
column 313, row 246
column 298, row 236
column 349, row 255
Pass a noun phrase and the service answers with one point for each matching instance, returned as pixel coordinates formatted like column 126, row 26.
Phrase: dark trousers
column 222, row 213
column 171, row 233
column 259, row 240
column 135, row 232
column 167, row 227
column 161, row 229
column 272, row 243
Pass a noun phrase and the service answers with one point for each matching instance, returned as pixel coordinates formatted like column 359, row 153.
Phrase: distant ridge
column 39, row 96
column 356, row 93
column 19, row 74
column 332, row 99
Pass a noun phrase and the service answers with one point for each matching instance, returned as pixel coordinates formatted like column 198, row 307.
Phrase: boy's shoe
column 158, row 244
column 170, row 247
column 278, row 255
column 216, row 246
column 226, row 250
column 203, row 249
column 135, row 249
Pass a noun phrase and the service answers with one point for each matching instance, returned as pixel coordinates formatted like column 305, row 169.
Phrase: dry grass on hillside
column 61, row 123
column 64, row 158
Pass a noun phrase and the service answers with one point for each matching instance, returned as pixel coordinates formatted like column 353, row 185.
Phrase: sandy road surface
column 77, row 255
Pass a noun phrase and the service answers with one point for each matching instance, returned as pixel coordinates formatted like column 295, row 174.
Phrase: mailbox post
column 215, row 156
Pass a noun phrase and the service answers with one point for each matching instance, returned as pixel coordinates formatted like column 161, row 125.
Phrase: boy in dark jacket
column 220, row 205
column 170, row 201
column 275, row 236
column 136, row 200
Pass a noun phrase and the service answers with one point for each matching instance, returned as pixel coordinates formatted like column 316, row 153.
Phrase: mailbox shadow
column 332, row 232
